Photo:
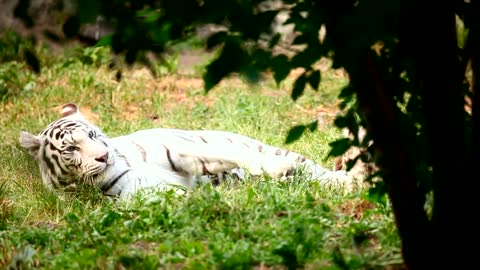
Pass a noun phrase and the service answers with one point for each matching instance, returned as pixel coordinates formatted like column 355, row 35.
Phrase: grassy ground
column 259, row 224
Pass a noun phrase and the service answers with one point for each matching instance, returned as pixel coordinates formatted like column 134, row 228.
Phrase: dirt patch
column 189, row 90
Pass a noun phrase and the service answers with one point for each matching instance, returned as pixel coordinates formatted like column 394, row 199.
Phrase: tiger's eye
column 71, row 148
column 91, row 134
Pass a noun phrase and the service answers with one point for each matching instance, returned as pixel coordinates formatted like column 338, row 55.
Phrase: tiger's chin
column 97, row 175
column 95, row 179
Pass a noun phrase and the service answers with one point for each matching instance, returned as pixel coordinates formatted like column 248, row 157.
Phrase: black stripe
column 169, row 157
column 47, row 161
column 186, row 139
column 59, row 122
column 70, row 124
column 62, row 170
column 55, row 184
column 122, row 157
column 63, row 181
column 54, row 148
column 201, row 138
column 215, row 181
column 110, row 184
column 205, row 170
column 142, row 151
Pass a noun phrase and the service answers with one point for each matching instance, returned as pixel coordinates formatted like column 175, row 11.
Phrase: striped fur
column 72, row 150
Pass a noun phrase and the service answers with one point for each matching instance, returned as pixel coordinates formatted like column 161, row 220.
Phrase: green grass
column 253, row 224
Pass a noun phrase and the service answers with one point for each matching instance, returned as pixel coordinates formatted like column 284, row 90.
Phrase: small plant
column 12, row 47
column 167, row 64
column 14, row 78
column 5, row 206
column 94, row 56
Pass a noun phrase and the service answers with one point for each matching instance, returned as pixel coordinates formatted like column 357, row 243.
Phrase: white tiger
column 72, row 150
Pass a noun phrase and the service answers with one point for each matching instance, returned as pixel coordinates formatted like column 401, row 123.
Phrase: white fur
column 143, row 160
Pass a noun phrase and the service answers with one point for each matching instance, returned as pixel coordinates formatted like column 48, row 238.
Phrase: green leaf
column 314, row 79
column 88, row 10
column 345, row 102
column 348, row 120
column 152, row 16
column 232, row 59
column 352, row 162
column 274, row 41
column 301, row 39
column 263, row 20
column 252, row 74
column 281, row 68
column 216, row 39
column 109, row 218
column 131, row 56
column 295, row 133
column 71, row 26
column 346, row 94
column 347, row 91
column 309, row 200
column 339, row 147
column 105, row 41
column 308, row 57
column 341, row 121
column 288, row 255
column 72, row 218
column 213, row 75
column 313, row 126
column 299, row 86
column 377, row 193
column 32, row 60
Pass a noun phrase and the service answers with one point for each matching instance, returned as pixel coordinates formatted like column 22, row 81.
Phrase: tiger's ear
column 70, row 109
column 30, row 142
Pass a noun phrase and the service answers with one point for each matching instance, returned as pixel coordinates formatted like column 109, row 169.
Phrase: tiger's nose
column 102, row 158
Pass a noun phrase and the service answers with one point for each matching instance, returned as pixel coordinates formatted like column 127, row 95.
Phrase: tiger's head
column 69, row 151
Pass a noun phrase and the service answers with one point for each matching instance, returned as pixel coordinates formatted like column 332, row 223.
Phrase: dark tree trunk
column 434, row 34
column 471, row 191
column 382, row 123
column 429, row 37
column 473, row 51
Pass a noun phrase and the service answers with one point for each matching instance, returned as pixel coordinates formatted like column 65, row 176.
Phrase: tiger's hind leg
column 234, row 175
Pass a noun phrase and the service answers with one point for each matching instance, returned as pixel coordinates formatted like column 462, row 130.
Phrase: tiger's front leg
column 212, row 159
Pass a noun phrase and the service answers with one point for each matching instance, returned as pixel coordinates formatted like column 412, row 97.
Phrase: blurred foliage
column 13, row 47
